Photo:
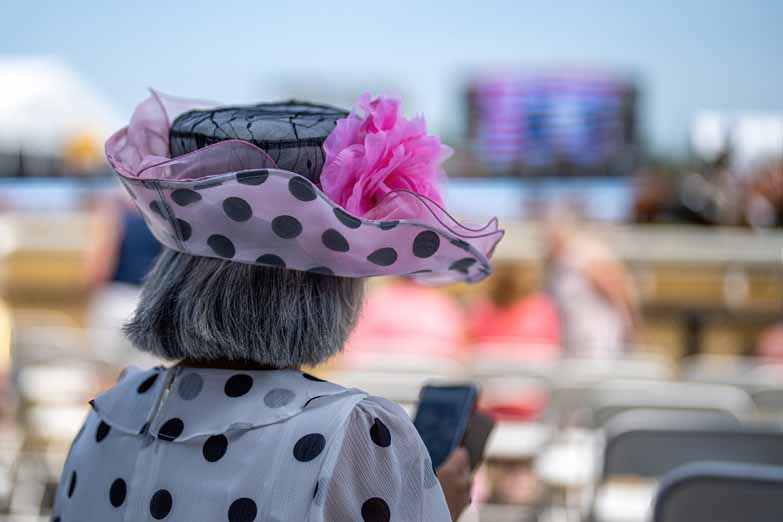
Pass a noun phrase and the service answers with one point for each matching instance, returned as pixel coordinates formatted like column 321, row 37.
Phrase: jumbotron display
column 563, row 124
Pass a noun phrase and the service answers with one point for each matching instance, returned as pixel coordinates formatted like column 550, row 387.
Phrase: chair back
column 710, row 491
column 654, row 448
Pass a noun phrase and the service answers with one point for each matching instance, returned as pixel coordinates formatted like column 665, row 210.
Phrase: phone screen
column 442, row 418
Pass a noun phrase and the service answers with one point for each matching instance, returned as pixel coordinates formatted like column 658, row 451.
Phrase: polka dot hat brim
column 228, row 200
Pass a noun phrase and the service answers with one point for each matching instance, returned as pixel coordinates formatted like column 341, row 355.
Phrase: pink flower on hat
column 368, row 157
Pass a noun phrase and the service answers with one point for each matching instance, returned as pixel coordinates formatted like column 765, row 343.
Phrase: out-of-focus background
column 633, row 151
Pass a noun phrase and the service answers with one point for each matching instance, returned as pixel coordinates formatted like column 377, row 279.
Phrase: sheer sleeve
column 383, row 472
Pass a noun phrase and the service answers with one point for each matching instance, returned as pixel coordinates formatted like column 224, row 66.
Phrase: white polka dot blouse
column 185, row 444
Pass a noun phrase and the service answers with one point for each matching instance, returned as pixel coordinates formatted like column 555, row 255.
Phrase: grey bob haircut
column 205, row 309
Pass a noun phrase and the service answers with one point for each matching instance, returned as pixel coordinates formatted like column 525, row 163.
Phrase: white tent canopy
column 44, row 104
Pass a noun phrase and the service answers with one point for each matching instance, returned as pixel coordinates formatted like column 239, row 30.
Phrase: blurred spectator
column 770, row 343
column 510, row 317
column 120, row 253
column 407, row 318
column 594, row 297
column 764, row 200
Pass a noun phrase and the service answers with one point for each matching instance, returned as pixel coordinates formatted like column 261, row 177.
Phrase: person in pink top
column 404, row 318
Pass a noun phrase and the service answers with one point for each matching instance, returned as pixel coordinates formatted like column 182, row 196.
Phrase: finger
column 454, row 462
column 460, row 458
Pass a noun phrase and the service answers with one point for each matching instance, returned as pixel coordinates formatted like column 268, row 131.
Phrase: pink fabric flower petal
column 369, row 156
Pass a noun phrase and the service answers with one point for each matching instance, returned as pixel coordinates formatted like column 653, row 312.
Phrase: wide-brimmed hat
column 300, row 186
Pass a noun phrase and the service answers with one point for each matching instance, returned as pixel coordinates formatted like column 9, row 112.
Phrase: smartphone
column 442, row 418
column 476, row 436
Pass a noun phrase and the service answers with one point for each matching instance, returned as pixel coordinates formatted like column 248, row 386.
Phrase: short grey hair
column 205, row 309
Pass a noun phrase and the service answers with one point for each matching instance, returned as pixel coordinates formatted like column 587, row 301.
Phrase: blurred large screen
column 563, row 124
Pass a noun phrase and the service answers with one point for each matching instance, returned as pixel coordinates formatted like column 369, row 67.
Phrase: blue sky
column 687, row 55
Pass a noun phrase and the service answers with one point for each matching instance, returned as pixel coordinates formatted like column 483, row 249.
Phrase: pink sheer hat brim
column 229, row 200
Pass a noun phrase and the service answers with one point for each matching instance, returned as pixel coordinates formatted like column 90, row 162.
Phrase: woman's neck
column 226, row 364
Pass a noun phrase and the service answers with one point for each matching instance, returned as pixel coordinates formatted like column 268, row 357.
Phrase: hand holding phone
column 447, row 418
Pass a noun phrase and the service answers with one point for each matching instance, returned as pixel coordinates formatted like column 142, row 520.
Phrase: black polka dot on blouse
column 215, row 448
column 147, row 383
column 376, row 510
column 309, row 447
column 102, row 432
column 117, row 492
column 161, row 504
column 72, row 484
column 278, row 397
column 242, row 510
column 380, row 434
column 238, row 385
column 171, row 429
column 190, row 386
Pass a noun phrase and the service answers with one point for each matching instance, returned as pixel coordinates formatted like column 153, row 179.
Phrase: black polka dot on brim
column 221, row 245
column 237, row 209
column 347, row 219
column 214, row 448
column 383, row 256
column 388, row 225
column 157, row 208
column 301, row 189
column 380, row 434
column 321, row 270
column 171, row 429
column 459, row 243
column 272, row 260
column 242, row 510
column 72, row 484
column 426, row 244
column 160, row 504
column 185, row 230
column 376, row 510
column 333, row 240
column 185, row 197
column 253, row 177
column 102, row 431
column 286, row 227
column 309, row 447
column 117, row 492
column 462, row 265
column 147, row 383
column 238, row 385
